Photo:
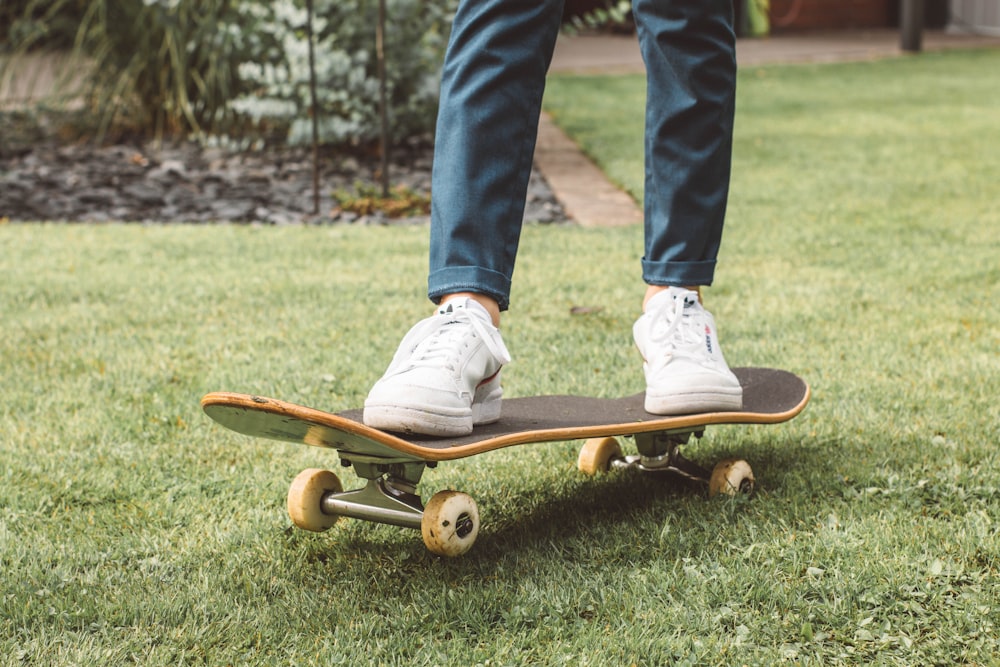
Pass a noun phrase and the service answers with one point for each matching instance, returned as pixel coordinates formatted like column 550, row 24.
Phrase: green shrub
column 238, row 69
column 154, row 67
column 348, row 91
column 33, row 24
column 164, row 65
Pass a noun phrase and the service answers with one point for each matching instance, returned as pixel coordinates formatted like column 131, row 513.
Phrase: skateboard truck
column 388, row 497
column 449, row 523
column 660, row 452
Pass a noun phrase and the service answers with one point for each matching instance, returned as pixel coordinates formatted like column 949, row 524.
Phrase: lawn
column 861, row 252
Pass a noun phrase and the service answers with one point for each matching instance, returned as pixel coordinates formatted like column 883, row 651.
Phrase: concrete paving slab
column 586, row 194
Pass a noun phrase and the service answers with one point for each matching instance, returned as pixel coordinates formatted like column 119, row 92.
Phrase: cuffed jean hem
column 469, row 279
column 678, row 274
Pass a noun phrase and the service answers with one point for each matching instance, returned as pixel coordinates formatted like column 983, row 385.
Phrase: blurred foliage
column 346, row 67
column 236, row 71
column 26, row 24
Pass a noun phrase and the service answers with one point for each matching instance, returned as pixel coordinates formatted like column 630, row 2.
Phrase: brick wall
column 801, row 15
column 830, row 14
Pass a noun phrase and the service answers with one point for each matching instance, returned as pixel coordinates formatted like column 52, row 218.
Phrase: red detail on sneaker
column 489, row 379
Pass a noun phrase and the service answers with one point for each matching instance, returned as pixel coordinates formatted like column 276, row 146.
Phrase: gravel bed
column 190, row 184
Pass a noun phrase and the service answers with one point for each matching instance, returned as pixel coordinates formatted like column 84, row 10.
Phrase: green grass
column 861, row 252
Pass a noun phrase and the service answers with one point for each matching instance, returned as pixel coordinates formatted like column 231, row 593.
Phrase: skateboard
column 393, row 463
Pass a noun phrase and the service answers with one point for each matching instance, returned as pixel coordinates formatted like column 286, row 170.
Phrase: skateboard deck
column 769, row 396
column 394, row 462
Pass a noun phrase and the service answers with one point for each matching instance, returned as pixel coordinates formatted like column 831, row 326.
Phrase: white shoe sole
column 434, row 420
column 415, row 420
column 695, row 401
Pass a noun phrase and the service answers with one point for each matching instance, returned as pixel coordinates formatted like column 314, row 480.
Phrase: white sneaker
column 445, row 376
column 684, row 367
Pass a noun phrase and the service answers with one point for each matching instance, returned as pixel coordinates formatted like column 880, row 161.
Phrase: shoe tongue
column 470, row 306
column 671, row 295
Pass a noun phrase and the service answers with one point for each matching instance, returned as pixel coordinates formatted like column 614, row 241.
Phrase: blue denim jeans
column 491, row 96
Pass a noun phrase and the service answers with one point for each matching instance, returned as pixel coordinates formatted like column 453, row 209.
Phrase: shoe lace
column 447, row 340
column 679, row 329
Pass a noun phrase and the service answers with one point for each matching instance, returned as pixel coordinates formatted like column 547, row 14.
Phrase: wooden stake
column 314, row 107
column 383, row 96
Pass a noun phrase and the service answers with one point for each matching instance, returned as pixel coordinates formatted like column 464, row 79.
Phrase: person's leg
column 690, row 55
column 689, row 50
column 445, row 376
column 491, row 96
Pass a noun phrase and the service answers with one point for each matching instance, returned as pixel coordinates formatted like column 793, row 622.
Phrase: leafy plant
column 614, row 13
column 156, row 67
column 348, row 94
column 238, row 70
column 401, row 202
column 35, row 24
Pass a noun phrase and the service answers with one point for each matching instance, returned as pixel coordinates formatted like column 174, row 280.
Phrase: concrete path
column 583, row 190
column 620, row 53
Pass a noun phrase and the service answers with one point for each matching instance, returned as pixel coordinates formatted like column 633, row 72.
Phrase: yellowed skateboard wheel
column 596, row 454
column 731, row 476
column 305, row 499
column 450, row 523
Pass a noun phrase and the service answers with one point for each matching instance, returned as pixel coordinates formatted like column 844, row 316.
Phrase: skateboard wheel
column 596, row 455
column 450, row 523
column 305, row 499
column 730, row 477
